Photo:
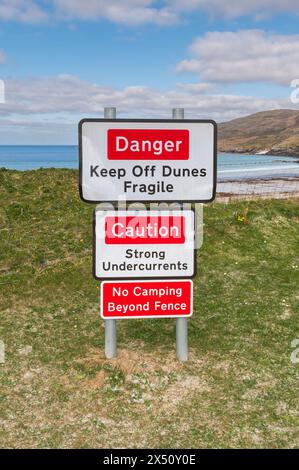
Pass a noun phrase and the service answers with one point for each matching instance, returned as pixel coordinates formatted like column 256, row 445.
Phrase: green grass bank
column 239, row 388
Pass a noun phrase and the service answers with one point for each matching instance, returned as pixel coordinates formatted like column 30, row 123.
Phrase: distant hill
column 275, row 132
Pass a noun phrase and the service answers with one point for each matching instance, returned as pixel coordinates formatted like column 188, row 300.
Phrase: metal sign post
column 181, row 323
column 110, row 325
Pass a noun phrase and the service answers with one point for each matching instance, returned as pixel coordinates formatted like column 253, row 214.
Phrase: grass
column 239, row 388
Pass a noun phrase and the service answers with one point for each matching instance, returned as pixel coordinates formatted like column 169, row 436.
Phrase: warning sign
column 147, row 160
column 146, row 299
column 144, row 244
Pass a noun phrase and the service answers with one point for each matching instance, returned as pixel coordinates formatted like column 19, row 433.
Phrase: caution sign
column 146, row 299
column 144, row 244
column 147, row 160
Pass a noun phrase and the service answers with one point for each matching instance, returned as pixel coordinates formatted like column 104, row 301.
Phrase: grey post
column 110, row 325
column 181, row 323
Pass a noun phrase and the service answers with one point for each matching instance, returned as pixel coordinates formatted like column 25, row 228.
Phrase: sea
column 231, row 166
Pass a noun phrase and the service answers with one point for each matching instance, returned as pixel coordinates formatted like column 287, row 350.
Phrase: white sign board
column 147, row 160
column 145, row 244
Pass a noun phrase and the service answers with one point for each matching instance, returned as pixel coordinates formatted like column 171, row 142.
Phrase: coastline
column 268, row 153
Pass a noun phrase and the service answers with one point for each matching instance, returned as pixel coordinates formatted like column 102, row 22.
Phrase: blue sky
column 61, row 60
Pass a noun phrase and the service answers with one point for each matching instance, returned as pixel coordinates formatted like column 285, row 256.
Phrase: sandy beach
column 265, row 188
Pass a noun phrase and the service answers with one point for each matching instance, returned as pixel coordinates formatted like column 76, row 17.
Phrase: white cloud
column 236, row 8
column 67, row 97
column 138, row 12
column 196, row 87
column 24, row 11
column 168, row 12
column 129, row 12
column 244, row 56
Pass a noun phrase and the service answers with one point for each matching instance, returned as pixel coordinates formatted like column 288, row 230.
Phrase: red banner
column 144, row 230
column 146, row 299
column 148, row 144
